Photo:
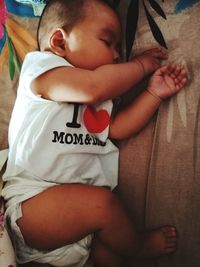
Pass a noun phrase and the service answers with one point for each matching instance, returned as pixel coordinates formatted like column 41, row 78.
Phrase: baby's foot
column 159, row 242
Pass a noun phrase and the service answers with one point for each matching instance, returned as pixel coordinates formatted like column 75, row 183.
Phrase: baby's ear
column 57, row 42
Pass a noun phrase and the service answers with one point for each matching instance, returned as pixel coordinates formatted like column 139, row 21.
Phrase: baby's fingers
column 182, row 74
column 181, row 77
column 175, row 71
column 180, row 83
column 178, row 75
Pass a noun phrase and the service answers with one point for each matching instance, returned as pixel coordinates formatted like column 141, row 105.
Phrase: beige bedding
column 160, row 167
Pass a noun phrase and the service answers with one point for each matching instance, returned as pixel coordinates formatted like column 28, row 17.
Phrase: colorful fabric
column 184, row 4
column 15, row 40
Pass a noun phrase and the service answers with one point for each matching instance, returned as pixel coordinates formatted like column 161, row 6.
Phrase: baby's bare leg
column 64, row 214
column 102, row 256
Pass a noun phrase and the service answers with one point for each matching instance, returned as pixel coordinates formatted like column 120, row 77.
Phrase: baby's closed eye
column 107, row 41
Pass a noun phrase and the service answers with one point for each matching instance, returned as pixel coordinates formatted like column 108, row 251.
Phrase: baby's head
column 85, row 32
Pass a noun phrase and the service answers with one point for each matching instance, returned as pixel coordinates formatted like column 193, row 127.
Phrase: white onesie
column 53, row 143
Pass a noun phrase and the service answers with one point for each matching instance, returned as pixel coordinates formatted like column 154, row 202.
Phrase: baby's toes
column 169, row 231
column 170, row 238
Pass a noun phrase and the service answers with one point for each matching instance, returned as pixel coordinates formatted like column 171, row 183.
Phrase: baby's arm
column 70, row 84
column 165, row 82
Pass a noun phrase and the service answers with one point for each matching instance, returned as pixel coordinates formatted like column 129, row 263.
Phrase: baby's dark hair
column 61, row 13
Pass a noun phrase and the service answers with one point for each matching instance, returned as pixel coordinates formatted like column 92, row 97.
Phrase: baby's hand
column 167, row 80
column 151, row 59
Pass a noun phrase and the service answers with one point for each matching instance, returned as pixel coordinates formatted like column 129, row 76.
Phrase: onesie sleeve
column 37, row 63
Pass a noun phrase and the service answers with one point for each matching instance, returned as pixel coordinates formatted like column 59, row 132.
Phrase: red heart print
column 96, row 121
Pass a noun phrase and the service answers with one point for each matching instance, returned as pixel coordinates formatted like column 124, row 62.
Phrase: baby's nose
column 116, row 57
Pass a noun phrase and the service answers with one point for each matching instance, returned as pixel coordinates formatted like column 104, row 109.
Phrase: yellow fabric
column 22, row 39
column 3, row 57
